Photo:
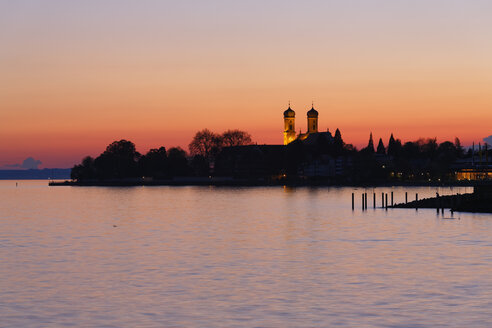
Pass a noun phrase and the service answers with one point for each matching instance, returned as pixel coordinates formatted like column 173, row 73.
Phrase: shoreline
column 257, row 183
column 480, row 201
column 469, row 202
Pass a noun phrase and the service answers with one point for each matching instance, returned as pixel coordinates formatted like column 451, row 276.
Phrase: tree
column 119, row 160
column 411, row 150
column 381, row 150
column 154, row 163
column 370, row 145
column 178, row 164
column 200, row 166
column 459, row 149
column 394, row 146
column 338, row 143
column 206, row 143
column 232, row 138
column 84, row 171
column 428, row 147
column 447, row 150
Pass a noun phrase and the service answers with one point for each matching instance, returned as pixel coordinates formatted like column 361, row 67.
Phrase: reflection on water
column 237, row 257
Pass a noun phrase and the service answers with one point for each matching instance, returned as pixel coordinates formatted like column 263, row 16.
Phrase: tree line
column 422, row 159
column 121, row 160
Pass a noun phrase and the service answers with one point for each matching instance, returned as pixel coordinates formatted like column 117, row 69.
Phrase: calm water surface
column 237, row 257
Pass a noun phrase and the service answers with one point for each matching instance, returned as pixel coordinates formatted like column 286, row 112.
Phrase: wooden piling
column 365, row 200
column 406, row 197
column 362, row 201
column 416, row 201
column 353, row 202
column 392, row 199
column 437, row 202
column 386, row 201
column 382, row 200
column 373, row 200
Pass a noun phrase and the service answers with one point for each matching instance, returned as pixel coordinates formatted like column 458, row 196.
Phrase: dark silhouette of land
column 478, row 201
column 121, row 162
column 231, row 159
column 320, row 159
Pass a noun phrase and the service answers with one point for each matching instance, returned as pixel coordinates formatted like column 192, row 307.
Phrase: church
column 277, row 161
column 312, row 127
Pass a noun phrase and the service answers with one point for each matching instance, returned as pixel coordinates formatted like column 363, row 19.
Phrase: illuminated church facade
column 290, row 125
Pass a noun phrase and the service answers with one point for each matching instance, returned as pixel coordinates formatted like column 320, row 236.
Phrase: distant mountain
column 43, row 174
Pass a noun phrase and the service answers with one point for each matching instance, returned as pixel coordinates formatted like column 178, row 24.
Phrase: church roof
column 289, row 113
column 312, row 112
column 317, row 137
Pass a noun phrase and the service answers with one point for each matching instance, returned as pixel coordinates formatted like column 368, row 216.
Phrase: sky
column 77, row 75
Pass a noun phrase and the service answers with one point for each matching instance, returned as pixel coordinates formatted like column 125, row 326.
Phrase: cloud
column 28, row 163
column 488, row 140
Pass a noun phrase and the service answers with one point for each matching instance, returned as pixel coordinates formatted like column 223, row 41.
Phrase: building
column 311, row 157
column 474, row 174
column 290, row 126
column 472, row 168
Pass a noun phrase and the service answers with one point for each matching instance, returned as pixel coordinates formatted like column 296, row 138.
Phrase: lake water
column 237, row 257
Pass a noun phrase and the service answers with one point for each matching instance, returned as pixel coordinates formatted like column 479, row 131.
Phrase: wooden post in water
column 353, row 202
column 391, row 199
column 406, row 197
column 365, row 200
column 382, row 200
column 362, row 201
column 386, row 200
column 437, row 202
column 373, row 200
column 416, row 201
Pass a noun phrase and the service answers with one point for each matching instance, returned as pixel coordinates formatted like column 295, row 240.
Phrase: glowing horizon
column 77, row 76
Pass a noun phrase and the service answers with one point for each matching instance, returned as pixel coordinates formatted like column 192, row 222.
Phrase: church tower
column 289, row 126
column 312, row 120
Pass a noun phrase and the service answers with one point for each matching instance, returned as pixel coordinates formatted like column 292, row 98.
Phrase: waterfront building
column 474, row 174
column 472, row 168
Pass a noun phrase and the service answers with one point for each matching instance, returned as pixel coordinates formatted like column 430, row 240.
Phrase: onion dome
column 289, row 113
column 312, row 112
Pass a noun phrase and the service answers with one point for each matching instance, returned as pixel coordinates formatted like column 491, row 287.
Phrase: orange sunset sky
column 77, row 75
